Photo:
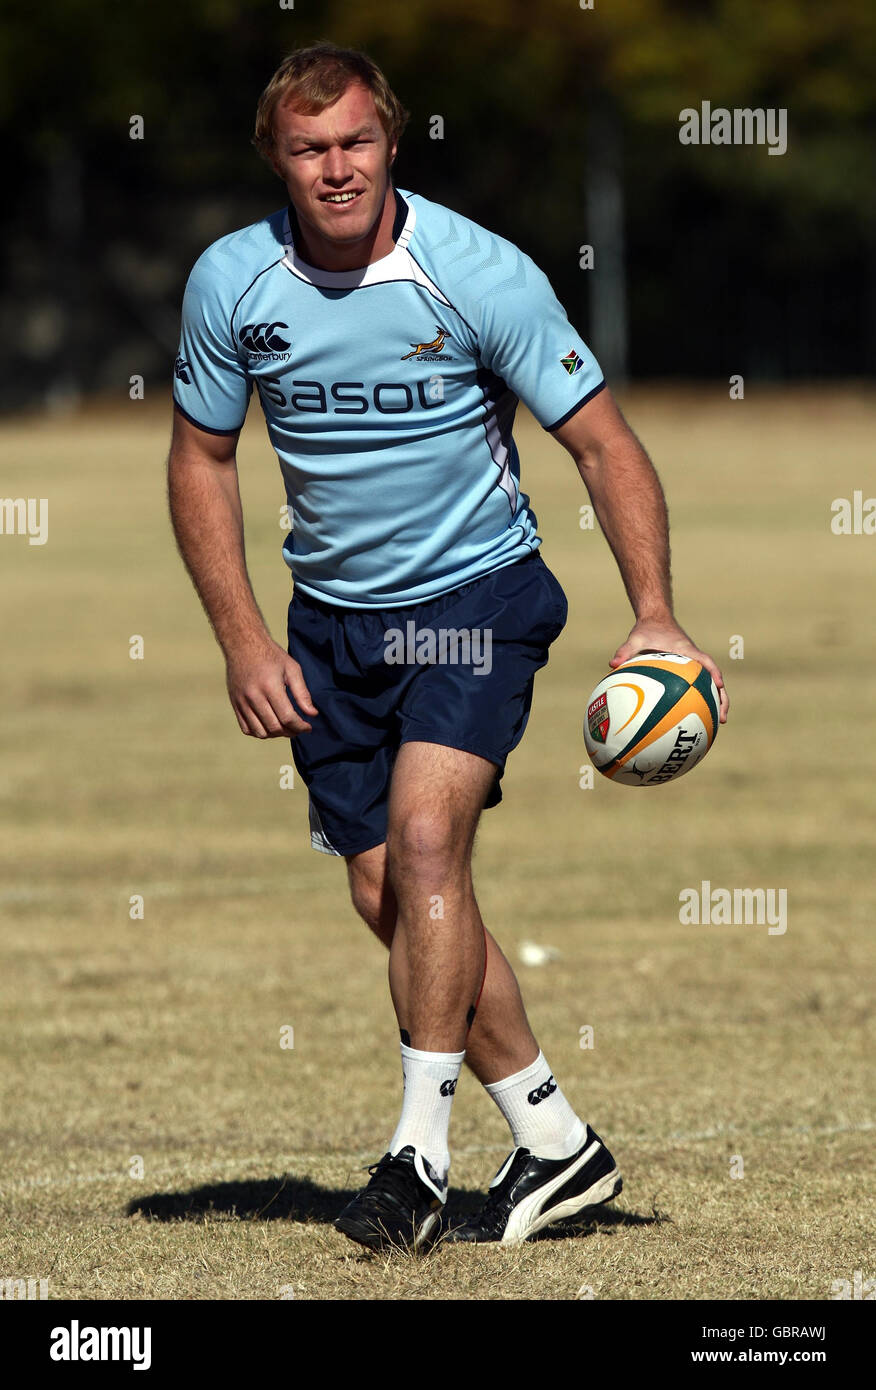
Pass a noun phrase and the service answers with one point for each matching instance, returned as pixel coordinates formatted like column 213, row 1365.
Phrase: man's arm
column 630, row 507
column 207, row 520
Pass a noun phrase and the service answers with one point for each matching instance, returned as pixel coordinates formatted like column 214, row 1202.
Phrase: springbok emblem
column 435, row 346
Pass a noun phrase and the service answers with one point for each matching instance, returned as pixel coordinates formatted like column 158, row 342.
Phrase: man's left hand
column 649, row 634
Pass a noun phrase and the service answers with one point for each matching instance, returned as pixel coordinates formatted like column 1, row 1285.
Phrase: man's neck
column 325, row 255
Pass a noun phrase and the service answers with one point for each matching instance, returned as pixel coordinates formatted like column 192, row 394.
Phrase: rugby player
column 389, row 340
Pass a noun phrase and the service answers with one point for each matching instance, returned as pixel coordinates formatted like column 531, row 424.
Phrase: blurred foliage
column 725, row 245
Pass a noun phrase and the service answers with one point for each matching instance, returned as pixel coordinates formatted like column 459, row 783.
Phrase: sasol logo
column 542, row 1092
column 263, row 342
column 352, row 397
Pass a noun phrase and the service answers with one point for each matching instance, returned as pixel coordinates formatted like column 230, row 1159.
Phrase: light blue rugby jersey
column 389, row 394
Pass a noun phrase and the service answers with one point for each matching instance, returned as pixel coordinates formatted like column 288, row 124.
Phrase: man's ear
column 392, row 154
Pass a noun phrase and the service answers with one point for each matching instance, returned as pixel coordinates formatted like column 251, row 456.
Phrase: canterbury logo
column 262, row 337
column 436, row 345
column 181, row 368
column 447, row 1088
column 536, row 1097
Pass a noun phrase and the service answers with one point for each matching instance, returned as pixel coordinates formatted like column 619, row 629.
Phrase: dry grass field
column 731, row 1071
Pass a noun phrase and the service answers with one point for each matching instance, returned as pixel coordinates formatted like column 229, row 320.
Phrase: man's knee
column 372, row 895
column 426, row 843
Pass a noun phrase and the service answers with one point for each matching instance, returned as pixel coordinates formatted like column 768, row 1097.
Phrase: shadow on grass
column 289, row 1198
column 285, row 1198
column 587, row 1224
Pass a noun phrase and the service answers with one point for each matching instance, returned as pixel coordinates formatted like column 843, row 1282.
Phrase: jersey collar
column 374, row 272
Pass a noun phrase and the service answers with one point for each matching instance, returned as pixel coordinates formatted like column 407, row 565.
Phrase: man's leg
column 436, row 970
column 437, row 956
column 559, row 1165
column 438, row 953
column 438, row 942
column 501, row 1041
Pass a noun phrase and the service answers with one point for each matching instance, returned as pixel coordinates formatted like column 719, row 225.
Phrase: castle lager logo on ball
column 598, row 718
column 652, row 719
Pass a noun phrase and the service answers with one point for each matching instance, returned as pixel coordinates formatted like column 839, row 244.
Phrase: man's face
column 335, row 166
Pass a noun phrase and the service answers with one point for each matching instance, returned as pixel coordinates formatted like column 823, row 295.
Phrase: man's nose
column 336, row 166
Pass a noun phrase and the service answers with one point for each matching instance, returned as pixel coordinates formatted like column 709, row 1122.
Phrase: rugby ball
column 652, row 719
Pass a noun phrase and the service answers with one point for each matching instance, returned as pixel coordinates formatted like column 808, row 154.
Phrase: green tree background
column 708, row 260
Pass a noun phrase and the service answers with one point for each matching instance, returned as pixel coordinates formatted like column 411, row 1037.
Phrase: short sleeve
column 211, row 386
column 527, row 340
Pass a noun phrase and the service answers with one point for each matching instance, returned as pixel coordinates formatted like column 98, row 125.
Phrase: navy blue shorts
column 457, row 670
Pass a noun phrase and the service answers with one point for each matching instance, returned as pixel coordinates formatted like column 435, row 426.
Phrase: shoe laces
column 380, row 1166
column 387, row 1175
column 495, row 1209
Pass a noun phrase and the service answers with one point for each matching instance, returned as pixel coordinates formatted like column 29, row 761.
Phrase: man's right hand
column 257, row 676
column 204, row 497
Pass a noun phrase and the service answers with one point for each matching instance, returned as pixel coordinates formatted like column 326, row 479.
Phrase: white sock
column 541, row 1118
column 430, row 1081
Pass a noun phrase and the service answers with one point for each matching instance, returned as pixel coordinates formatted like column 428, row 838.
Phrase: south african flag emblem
column 572, row 362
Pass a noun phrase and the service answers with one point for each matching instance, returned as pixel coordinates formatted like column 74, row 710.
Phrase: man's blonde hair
column 316, row 77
